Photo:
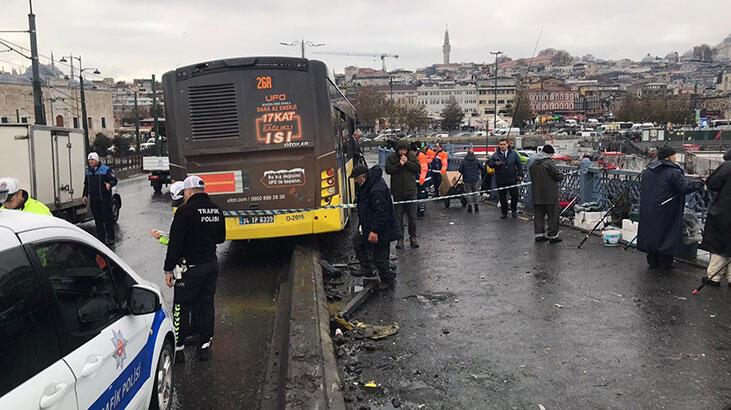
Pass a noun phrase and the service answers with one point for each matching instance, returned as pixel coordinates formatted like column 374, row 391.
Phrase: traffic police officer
column 98, row 185
column 191, row 265
column 13, row 198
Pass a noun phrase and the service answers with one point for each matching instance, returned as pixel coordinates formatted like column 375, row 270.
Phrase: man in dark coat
column 662, row 202
column 545, row 179
column 404, row 169
column 471, row 169
column 98, row 184
column 717, row 232
column 508, row 171
column 376, row 224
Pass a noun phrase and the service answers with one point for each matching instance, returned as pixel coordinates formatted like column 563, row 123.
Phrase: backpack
column 436, row 164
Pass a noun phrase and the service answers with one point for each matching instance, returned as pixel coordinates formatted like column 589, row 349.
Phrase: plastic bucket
column 611, row 237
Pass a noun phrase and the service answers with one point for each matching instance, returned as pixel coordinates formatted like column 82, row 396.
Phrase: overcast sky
column 128, row 39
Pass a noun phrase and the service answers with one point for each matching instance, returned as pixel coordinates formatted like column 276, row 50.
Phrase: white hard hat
column 193, row 182
column 176, row 190
column 8, row 187
column 93, row 155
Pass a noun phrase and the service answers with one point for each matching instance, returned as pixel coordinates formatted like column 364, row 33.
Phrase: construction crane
column 382, row 56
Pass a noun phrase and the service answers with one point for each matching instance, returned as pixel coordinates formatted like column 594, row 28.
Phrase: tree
column 561, row 57
column 121, row 145
column 661, row 110
column 416, row 117
column 703, row 53
column 101, row 144
column 522, row 110
column 371, row 106
column 452, row 115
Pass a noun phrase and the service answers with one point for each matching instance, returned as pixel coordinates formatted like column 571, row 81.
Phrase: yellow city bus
column 270, row 135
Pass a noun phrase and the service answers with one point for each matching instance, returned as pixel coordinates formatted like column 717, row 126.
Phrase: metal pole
column 84, row 122
column 137, row 125
column 496, row 54
column 71, row 60
column 302, row 46
column 154, row 117
column 40, row 116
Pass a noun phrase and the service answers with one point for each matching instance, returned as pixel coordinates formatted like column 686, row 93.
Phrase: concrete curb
column 312, row 380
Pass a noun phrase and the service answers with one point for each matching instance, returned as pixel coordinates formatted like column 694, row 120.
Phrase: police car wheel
column 162, row 396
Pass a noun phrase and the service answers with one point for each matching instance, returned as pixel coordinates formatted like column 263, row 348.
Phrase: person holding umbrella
column 717, row 232
column 662, row 202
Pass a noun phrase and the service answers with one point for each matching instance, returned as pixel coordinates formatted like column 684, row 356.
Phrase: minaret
column 446, row 48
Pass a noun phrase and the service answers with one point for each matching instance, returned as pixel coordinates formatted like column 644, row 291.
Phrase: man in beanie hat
column 404, row 168
column 662, row 202
column 717, row 232
column 98, row 185
column 377, row 226
column 471, row 169
column 545, row 179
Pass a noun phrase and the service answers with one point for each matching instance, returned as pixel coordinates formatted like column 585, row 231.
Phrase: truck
column 158, row 170
column 49, row 163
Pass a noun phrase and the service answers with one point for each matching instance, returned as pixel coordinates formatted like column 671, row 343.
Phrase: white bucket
column 611, row 237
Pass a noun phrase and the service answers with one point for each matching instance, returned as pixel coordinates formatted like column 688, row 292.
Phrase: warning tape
column 268, row 212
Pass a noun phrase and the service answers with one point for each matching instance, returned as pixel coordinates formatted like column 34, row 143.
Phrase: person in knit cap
column 545, row 179
column 662, row 202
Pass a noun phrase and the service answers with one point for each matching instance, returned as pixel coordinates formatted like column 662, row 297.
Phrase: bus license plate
column 248, row 220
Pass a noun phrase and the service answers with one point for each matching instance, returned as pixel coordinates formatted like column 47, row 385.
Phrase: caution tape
column 268, row 212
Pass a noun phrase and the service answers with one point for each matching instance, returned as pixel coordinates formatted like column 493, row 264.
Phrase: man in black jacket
column 191, row 264
column 717, row 232
column 404, row 169
column 376, row 224
column 545, row 178
column 508, row 171
column 471, row 169
column 98, row 184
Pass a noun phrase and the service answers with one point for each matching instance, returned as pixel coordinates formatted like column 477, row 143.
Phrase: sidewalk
column 490, row 319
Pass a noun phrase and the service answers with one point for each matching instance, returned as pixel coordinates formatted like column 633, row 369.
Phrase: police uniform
column 198, row 225
column 100, row 199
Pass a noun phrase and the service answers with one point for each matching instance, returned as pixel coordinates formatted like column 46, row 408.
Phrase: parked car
column 65, row 298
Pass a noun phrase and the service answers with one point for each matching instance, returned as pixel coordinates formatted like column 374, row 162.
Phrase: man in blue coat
column 662, row 202
column 508, row 171
column 377, row 224
column 98, row 185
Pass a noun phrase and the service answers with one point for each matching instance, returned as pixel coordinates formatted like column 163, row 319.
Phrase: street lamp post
column 302, row 43
column 38, row 113
column 496, row 54
column 84, row 122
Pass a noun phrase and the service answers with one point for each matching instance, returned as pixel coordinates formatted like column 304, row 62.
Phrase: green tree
column 101, row 144
column 452, row 115
column 660, row 110
column 371, row 105
column 121, row 145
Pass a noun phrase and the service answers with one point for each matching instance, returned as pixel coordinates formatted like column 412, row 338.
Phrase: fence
column 124, row 166
column 597, row 185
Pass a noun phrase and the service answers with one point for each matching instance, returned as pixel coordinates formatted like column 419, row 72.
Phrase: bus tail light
column 328, row 186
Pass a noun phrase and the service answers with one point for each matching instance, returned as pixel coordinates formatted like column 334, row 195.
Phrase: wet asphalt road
column 490, row 319
column 245, row 302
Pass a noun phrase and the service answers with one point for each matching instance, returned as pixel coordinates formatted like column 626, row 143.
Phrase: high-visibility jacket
column 430, row 154
column 34, row 207
column 424, row 167
column 442, row 164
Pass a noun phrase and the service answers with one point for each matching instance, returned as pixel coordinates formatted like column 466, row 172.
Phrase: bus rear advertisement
column 264, row 133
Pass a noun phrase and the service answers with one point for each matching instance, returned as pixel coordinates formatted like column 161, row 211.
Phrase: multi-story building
column 61, row 103
column 552, row 96
column 435, row 97
column 487, row 91
column 405, row 94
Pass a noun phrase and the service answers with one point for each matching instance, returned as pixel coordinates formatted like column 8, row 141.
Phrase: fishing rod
column 522, row 93
column 616, row 201
column 706, row 280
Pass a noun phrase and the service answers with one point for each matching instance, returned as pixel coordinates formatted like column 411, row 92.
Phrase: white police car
column 78, row 328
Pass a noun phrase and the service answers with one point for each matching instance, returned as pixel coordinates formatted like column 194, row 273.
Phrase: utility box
column 49, row 163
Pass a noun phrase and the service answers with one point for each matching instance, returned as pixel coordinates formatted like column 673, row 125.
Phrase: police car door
column 103, row 345
column 33, row 372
